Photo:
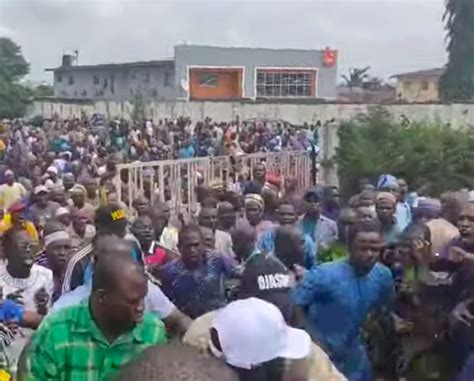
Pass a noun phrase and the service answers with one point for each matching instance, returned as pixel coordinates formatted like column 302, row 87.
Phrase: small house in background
column 418, row 86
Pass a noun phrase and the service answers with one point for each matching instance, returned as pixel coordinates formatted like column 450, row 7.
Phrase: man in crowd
column 385, row 207
column 259, row 178
column 331, row 203
column 16, row 219
column 321, row 229
column 57, row 251
column 226, row 216
column 208, row 218
column 11, row 191
column 195, row 281
column 78, row 197
column 287, row 216
column 24, row 281
column 336, row 298
column 108, row 220
column 155, row 301
column 164, row 233
column 42, row 209
column 389, row 183
column 109, row 328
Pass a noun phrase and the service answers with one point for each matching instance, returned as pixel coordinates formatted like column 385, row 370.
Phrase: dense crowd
column 264, row 283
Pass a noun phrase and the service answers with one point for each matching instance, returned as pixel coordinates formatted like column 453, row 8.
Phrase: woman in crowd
column 254, row 213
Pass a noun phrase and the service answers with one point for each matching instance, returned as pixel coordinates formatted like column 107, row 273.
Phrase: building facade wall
column 418, row 89
column 116, row 83
column 251, row 59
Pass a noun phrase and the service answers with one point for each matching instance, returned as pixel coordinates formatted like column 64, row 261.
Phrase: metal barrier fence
column 179, row 178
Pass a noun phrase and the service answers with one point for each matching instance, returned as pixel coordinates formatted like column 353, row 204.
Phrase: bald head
column 224, row 207
column 116, row 270
column 176, row 362
column 347, row 216
column 111, row 244
column 289, row 245
column 244, row 239
column 119, row 287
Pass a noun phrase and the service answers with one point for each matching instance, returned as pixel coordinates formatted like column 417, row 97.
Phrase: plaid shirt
column 69, row 346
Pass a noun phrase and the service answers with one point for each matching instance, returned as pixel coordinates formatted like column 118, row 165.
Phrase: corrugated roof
column 420, row 73
column 113, row 65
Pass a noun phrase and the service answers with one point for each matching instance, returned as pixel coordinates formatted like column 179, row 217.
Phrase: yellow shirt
column 6, row 224
column 10, row 194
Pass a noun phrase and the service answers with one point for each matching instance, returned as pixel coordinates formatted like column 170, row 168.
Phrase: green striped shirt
column 68, row 346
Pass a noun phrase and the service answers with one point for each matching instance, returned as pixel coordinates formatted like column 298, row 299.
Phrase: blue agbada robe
column 337, row 303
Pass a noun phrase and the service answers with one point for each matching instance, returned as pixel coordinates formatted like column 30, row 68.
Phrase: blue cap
column 387, row 181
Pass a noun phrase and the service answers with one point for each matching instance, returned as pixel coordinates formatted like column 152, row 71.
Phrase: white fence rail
column 179, row 178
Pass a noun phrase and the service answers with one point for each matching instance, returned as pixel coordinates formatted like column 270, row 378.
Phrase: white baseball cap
column 52, row 169
column 252, row 332
column 40, row 189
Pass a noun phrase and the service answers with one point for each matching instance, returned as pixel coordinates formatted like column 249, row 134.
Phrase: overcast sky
column 390, row 36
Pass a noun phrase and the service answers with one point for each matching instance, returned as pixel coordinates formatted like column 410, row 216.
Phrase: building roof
column 113, row 65
column 420, row 74
column 250, row 48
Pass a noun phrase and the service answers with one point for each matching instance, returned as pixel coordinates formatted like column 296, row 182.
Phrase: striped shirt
column 76, row 267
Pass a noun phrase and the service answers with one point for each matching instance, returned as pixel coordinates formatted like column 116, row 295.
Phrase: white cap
column 61, row 211
column 52, row 169
column 252, row 331
column 41, row 188
column 471, row 196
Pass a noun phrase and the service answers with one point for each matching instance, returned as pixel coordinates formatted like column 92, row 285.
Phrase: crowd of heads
column 250, row 277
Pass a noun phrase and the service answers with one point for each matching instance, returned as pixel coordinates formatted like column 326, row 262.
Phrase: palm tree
column 356, row 77
column 457, row 82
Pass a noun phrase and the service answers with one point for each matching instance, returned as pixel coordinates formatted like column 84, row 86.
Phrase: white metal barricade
column 180, row 177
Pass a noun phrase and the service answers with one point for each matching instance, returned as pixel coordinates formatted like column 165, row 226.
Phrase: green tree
column 42, row 91
column 457, row 82
column 139, row 109
column 432, row 155
column 13, row 67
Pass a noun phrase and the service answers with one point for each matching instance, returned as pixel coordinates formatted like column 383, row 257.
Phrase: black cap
column 110, row 215
column 266, row 277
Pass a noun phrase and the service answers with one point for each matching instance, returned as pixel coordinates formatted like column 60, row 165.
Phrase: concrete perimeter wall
column 455, row 114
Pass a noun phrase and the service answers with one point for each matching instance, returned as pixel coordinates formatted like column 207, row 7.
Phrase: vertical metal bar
column 130, row 184
column 152, row 185
column 161, row 183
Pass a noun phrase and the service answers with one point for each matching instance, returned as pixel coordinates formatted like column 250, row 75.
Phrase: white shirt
column 149, row 128
column 224, row 243
column 155, row 300
column 40, row 277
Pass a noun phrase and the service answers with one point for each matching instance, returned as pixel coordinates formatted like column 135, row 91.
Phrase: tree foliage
column 357, row 77
column 457, row 82
column 42, row 91
column 433, row 156
column 13, row 67
column 139, row 109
